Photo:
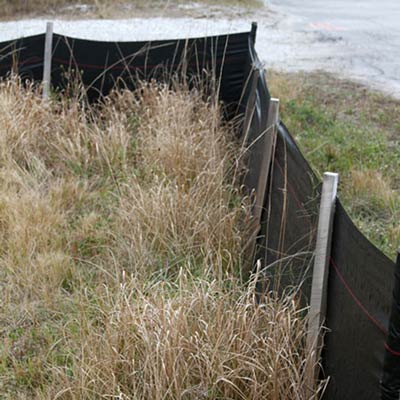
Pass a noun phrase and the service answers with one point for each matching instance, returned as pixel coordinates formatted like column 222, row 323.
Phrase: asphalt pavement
column 357, row 39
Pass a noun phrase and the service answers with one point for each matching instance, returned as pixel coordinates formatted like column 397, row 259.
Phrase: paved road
column 360, row 39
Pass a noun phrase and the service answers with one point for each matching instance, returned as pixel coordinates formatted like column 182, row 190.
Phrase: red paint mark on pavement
column 326, row 26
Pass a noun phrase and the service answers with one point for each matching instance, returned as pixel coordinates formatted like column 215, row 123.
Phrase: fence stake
column 253, row 31
column 320, row 276
column 47, row 60
column 250, row 107
column 268, row 140
column 272, row 122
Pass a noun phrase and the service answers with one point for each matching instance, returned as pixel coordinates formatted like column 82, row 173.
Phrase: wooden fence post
column 47, row 60
column 268, row 145
column 320, row 277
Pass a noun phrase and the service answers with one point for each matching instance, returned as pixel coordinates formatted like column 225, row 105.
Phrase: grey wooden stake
column 318, row 301
column 273, row 119
column 47, row 60
column 269, row 140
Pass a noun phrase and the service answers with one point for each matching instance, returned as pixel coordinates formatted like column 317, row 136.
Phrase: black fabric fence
column 24, row 56
column 361, row 309
column 359, row 303
column 391, row 365
column 289, row 222
column 360, row 279
column 222, row 61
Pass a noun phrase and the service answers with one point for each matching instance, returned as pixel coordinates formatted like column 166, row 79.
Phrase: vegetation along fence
column 301, row 235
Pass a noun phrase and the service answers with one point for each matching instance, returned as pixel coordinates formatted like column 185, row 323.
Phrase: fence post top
column 253, row 31
column 331, row 174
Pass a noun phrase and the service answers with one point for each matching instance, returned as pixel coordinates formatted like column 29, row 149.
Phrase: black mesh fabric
column 222, row 61
column 390, row 385
column 359, row 301
column 102, row 65
column 24, row 56
column 287, row 239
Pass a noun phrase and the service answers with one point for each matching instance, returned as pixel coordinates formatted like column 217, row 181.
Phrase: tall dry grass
column 120, row 255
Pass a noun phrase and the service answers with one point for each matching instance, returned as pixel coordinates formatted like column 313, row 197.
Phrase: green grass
column 344, row 127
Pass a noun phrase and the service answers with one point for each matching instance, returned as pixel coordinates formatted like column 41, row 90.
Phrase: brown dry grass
column 121, row 255
column 116, row 8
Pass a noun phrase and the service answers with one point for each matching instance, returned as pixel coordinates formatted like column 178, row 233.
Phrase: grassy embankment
column 120, row 256
column 344, row 127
